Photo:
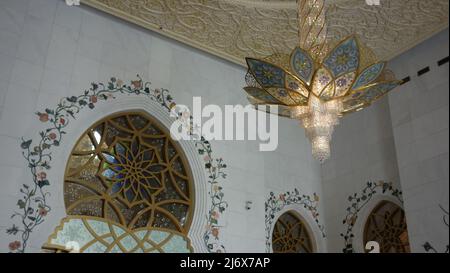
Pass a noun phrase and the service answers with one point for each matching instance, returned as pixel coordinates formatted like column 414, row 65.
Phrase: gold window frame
column 304, row 227
column 402, row 237
column 179, row 150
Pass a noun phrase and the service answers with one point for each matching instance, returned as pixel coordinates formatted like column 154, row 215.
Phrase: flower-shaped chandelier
column 320, row 80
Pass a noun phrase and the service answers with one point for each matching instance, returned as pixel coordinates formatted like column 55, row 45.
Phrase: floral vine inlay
column 428, row 246
column 276, row 203
column 33, row 207
column 214, row 167
column 359, row 201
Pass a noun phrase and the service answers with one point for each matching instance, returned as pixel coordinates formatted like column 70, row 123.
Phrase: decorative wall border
column 358, row 202
column 33, row 206
column 214, row 167
column 277, row 203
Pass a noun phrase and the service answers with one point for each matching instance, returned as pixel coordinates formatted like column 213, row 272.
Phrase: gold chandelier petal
column 296, row 85
column 282, row 110
column 284, row 95
column 369, row 75
column 343, row 84
column 298, row 98
column 344, row 57
column 322, row 78
column 266, row 74
column 328, row 93
column 365, row 97
column 302, row 65
column 261, row 95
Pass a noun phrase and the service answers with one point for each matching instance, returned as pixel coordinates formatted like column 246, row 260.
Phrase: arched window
column 291, row 235
column 386, row 225
column 127, row 169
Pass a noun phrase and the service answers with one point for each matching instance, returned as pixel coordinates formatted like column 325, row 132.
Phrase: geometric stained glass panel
column 386, row 225
column 126, row 169
column 290, row 235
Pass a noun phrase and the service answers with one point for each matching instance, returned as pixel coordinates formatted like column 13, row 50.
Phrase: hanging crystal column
column 319, row 119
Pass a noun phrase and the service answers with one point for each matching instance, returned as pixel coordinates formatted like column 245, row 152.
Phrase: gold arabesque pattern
column 290, row 235
column 234, row 29
column 387, row 226
column 126, row 169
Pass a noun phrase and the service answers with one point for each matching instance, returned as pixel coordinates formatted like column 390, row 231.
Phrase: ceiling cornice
column 235, row 29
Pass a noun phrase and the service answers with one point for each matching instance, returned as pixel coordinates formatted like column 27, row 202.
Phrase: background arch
column 303, row 239
column 360, row 223
column 317, row 238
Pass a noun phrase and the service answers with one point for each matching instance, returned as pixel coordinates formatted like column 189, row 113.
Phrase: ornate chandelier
column 320, row 80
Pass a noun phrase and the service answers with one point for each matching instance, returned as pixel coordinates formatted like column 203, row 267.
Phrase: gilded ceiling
column 235, row 29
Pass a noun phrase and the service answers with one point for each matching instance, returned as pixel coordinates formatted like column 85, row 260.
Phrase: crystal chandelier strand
column 312, row 30
column 319, row 119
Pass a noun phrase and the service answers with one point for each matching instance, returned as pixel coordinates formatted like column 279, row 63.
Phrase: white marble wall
column 363, row 150
column 420, row 121
column 49, row 50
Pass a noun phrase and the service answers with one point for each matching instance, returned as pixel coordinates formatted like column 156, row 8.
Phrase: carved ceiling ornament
column 234, row 29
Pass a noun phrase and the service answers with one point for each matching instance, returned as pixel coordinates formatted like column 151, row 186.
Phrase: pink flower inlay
column 41, row 176
column 14, row 245
column 43, row 117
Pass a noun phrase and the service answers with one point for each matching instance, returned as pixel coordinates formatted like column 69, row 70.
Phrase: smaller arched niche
column 291, row 234
column 386, row 225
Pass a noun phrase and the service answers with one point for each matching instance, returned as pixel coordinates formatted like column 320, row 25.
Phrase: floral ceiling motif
column 235, row 29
